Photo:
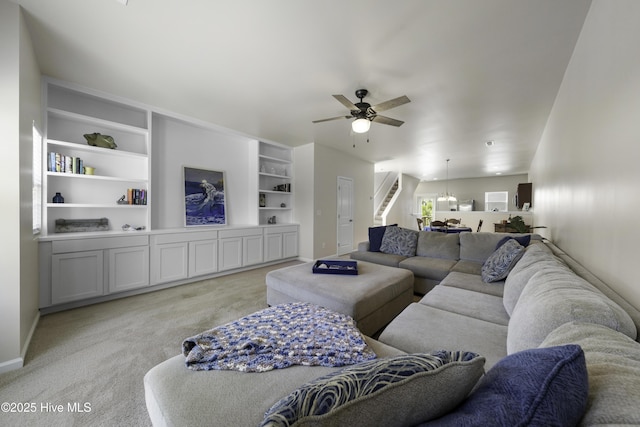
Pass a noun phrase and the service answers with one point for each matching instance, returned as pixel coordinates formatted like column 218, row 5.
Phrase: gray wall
column 19, row 108
column 585, row 172
column 475, row 188
column 320, row 210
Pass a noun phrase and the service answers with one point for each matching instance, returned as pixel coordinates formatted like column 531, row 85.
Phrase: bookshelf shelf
column 93, row 205
column 70, row 113
column 275, row 175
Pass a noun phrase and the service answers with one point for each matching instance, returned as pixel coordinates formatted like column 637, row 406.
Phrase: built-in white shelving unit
column 69, row 114
column 275, row 183
column 79, row 268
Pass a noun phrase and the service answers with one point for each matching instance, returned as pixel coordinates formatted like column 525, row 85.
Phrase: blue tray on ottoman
column 335, row 267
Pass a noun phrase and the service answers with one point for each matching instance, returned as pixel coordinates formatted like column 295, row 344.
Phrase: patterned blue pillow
column 400, row 390
column 501, row 261
column 399, row 241
column 537, row 387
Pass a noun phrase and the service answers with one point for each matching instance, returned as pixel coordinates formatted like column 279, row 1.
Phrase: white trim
column 11, row 365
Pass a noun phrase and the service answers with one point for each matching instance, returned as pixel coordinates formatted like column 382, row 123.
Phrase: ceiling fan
column 365, row 113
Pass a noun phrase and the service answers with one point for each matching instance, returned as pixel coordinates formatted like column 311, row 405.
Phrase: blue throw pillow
column 501, row 261
column 537, row 387
column 523, row 240
column 375, row 237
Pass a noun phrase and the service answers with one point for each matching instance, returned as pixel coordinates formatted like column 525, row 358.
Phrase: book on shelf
column 57, row 162
column 136, row 196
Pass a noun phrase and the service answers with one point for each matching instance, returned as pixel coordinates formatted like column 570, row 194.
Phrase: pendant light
column 446, row 197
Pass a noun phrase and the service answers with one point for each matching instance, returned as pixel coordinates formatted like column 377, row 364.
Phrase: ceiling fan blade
column 344, row 101
column 392, row 103
column 387, row 121
column 332, row 118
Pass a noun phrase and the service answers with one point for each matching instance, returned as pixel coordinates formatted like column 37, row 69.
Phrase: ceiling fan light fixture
column 360, row 125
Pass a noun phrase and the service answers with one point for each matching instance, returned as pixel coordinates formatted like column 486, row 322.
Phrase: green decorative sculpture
column 99, row 140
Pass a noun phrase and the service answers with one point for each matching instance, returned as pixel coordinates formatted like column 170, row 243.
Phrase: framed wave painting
column 204, row 197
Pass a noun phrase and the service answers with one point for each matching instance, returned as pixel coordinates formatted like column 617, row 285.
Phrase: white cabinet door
column 169, row 262
column 252, row 249
column 272, row 247
column 128, row 268
column 76, row 276
column 230, row 253
column 203, row 257
column 290, row 244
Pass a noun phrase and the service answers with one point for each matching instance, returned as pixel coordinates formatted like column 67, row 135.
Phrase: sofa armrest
column 363, row 246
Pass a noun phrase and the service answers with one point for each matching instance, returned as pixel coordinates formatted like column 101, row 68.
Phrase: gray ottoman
column 372, row 298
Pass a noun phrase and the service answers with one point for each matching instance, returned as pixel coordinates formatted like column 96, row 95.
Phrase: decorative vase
column 58, row 198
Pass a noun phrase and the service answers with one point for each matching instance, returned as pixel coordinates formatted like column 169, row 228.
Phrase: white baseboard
column 34, row 324
column 11, row 365
column 17, row 363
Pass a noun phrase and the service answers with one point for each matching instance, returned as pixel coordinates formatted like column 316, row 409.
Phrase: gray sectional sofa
column 559, row 348
column 431, row 256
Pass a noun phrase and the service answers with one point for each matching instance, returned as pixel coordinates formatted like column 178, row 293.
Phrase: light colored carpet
column 98, row 355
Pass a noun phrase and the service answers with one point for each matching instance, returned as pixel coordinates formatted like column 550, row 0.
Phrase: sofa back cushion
column 438, row 245
column 536, row 258
column 613, row 364
column 479, row 246
column 554, row 297
column 399, row 241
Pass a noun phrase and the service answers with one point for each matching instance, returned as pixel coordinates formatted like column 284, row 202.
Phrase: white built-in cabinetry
column 275, row 183
column 84, row 269
column 71, row 113
column 78, row 268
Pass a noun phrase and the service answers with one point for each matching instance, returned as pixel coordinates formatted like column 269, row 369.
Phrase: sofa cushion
column 468, row 303
column 501, row 261
column 422, row 329
column 536, row 387
column 536, row 258
column 389, row 260
column 479, row 246
column 472, row 282
column 554, row 297
column 176, row 396
column 402, row 390
column 469, row 267
column 399, row 241
column 438, row 245
column 375, row 236
column 426, row 267
column 613, row 363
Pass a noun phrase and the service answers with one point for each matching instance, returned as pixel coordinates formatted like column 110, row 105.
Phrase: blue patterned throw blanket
column 279, row 337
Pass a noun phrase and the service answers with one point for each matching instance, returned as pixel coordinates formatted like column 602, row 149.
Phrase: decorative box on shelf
column 335, row 267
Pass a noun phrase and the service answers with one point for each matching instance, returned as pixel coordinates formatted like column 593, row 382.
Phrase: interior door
column 345, row 215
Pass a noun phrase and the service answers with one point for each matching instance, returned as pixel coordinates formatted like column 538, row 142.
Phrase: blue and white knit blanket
column 279, row 337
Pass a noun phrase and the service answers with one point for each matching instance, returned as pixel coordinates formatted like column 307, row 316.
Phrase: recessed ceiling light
column 498, row 173
column 124, row 2
column 489, row 143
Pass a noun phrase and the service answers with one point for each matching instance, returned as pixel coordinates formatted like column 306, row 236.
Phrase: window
column 496, row 201
column 37, row 180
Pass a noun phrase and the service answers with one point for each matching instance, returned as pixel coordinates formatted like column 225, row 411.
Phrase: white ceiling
column 475, row 70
